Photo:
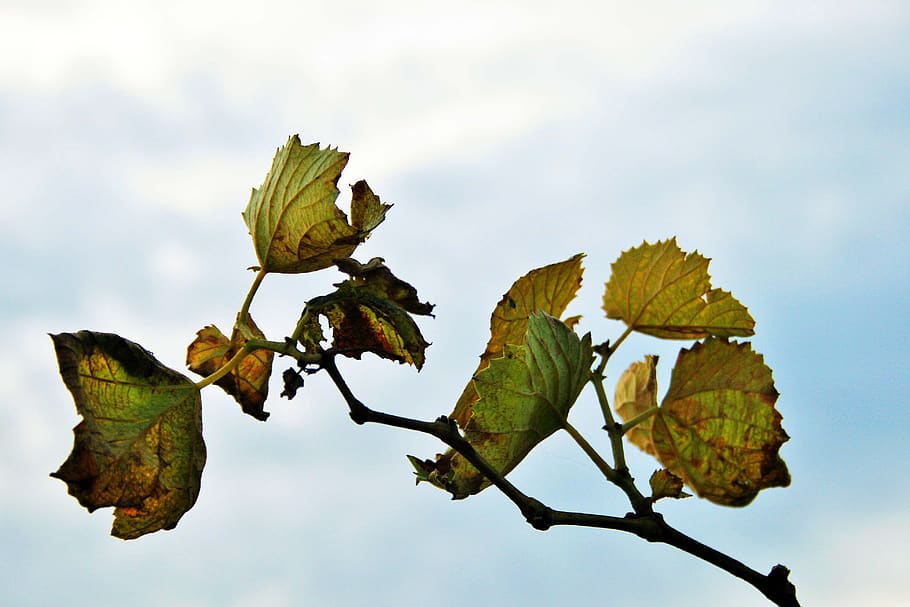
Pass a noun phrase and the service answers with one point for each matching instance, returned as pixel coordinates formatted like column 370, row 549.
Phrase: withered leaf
column 666, row 484
column 717, row 428
column 375, row 277
column 370, row 312
column 248, row 383
column 139, row 446
column 636, row 393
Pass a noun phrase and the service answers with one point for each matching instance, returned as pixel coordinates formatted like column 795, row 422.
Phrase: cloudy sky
column 772, row 137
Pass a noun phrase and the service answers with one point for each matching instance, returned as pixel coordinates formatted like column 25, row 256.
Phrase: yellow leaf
column 662, row 291
column 636, row 392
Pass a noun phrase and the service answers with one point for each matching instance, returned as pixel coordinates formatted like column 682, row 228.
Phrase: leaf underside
column 659, row 290
column 248, row 383
column 292, row 218
column 139, row 446
column 370, row 312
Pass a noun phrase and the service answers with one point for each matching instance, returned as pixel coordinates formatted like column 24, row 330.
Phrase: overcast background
column 772, row 137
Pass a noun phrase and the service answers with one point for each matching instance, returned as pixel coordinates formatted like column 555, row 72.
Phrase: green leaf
column 248, row 383
column 717, row 427
column 524, row 396
column 369, row 313
column 548, row 289
column 293, row 220
column 636, row 393
column 662, row 291
column 139, row 446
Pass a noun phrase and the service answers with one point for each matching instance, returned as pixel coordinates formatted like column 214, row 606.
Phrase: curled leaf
column 293, row 381
column 371, row 312
column 139, row 446
column 524, row 396
column 293, row 220
column 636, row 393
column 666, row 484
column 375, row 277
column 248, row 383
column 659, row 290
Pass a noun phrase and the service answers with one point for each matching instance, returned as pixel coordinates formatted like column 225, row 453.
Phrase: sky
column 771, row 137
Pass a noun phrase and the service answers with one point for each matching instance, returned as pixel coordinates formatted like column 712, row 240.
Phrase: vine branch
column 644, row 522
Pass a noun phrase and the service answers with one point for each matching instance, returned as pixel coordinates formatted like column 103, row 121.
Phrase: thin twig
column 645, row 523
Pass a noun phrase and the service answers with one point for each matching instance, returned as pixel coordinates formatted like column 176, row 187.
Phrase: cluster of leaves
column 139, row 446
column 716, row 431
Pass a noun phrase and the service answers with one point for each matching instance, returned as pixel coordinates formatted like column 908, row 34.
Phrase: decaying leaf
column 666, row 484
column 717, row 428
column 525, row 395
column 659, row 290
column 370, row 312
column 293, row 381
column 636, row 393
column 248, row 383
column 139, row 445
column 293, row 220
column 375, row 277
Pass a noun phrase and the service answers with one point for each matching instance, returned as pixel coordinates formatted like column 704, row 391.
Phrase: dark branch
column 647, row 525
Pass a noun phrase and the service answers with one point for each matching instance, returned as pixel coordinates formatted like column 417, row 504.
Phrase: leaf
column 636, row 393
column 139, row 447
column 662, row 291
column 293, row 381
column 369, row 313
column 248, row 383
column 362, row 322
column 666, row 484
column 293, row 220
column 378, row 279
column 367, row 211
column 524, row 396
column 717, row 427
column 548, row 289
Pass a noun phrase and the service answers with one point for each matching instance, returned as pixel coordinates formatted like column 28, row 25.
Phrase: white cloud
column 508, row 135
column 858, row 561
